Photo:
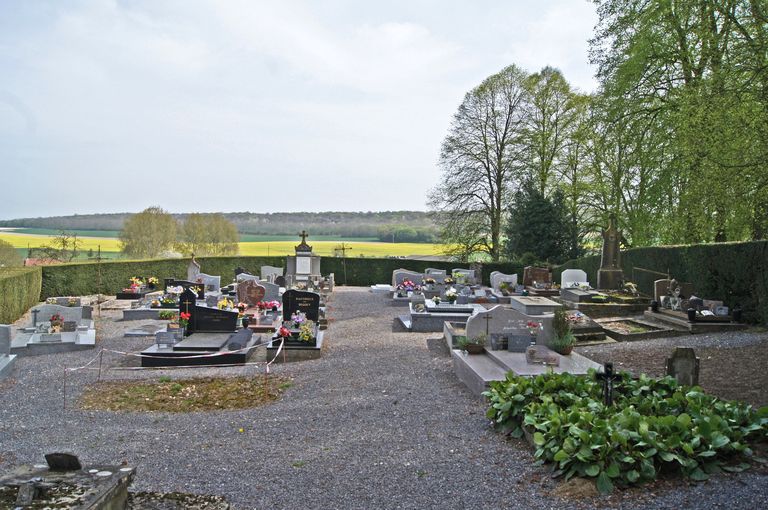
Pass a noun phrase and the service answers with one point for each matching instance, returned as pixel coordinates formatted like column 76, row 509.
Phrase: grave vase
column 692, row 314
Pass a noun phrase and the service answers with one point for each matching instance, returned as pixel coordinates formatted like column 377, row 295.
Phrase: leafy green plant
column 166, row 315
column 464, row 341
column 654, row 425
column 563, row 339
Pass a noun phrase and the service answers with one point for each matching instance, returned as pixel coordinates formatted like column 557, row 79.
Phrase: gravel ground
column 379, row 422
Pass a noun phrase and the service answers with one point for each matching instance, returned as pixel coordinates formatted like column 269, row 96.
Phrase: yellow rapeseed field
column 279, row 248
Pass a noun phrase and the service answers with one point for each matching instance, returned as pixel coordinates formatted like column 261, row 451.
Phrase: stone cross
column 34, row 317
column 610, row 254
column 303, row 236
column 607, row 376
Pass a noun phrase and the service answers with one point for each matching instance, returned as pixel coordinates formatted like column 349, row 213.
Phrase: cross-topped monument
column 303, row 247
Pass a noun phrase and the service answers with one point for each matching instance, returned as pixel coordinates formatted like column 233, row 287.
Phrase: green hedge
column 19, row 291
column 736, row 273
column 110, row 277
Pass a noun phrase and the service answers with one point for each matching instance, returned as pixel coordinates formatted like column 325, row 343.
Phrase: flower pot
column 474, row 349
column 565, row 351
column 692, row 314
column 245, row 321
column 655, row 306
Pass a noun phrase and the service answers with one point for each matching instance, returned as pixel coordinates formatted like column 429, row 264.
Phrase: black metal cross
column 34, row 317
column 607, row 376
column 303, row 236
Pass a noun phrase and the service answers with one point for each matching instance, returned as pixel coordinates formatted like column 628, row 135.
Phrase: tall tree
column 551, row 111
column 694, row 73
column 148, row 233
column 479, row 160
column 209, row 234
column 538, row 225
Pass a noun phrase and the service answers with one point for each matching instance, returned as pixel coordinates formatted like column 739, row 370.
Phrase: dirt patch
column 729, row 372
column 184, row 395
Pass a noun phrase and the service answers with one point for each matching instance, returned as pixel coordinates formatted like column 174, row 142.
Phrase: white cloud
column 348, row 99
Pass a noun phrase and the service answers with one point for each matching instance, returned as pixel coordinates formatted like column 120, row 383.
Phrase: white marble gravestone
column 497, row 278
column 508, row 321
column 573, row 278
column 398, row 275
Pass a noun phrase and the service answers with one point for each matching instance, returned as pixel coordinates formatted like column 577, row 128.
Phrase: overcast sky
column 226, row 105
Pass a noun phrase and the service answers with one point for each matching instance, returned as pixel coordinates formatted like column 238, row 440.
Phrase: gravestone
column 186, row 284
column 431, row 271
column 497, row 278
column 165, row 338
column 193, row 270
column 280, row 281
column 6, row 358
column 211, row 283
column 272, row 291
column 245, row 276
column 610, row 275
column 187, row 302
column 541, row 275
column 466, row 276
column 666, row 287
column 5, row 341
column 301, row 301
column 573, row 278
column 250, row 292
column 269, row 273
column 684, row 366
column 511, row 323
column 574, row 295
column 398, row 275
column 68, row 313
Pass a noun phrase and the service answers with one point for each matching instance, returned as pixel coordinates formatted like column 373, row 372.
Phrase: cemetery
column 486, row 343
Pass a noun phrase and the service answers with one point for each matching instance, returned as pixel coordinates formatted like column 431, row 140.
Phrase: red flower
column 185, row 315
column 284, row 332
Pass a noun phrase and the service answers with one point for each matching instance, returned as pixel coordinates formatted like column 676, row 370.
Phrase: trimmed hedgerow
column 19, row 290
column 109, row 277
column 654, row 425
column 736, row 273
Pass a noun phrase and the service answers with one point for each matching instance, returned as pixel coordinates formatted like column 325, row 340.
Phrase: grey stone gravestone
column 242, row 277
column 683, row 365
column 271, row 291
column 211, row 283
column 509, row 322
column 398, row 275
column 193, row 270
column 305, row 302
column 68, row 313
column 5, row 340
column 533, row 305
column 269, row 273
column 165, row 338
column 497, row 278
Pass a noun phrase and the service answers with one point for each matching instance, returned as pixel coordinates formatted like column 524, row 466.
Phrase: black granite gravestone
column 301, row 301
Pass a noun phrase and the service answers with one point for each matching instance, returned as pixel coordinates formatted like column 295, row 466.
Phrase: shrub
column 19, row 291
column 655, row 424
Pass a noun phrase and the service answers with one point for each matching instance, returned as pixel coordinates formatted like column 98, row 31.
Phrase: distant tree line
column 674, row 143
column 342, row 224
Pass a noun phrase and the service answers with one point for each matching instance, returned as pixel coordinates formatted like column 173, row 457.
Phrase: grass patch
column 184, row 395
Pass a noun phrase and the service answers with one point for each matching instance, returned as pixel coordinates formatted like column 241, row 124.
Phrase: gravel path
column 379, row 422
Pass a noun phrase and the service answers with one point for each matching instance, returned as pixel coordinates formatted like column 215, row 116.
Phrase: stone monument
column 610, row 275
column 305, row 264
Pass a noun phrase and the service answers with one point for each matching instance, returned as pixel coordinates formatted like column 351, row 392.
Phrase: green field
column 78, row 233
column 265, row 245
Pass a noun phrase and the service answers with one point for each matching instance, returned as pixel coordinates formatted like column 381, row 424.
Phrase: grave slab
column 533, row 305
